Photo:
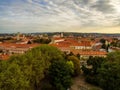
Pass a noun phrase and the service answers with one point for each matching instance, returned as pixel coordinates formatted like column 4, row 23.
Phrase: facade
column 57, row 40
column 87, row 54
column 11, row 48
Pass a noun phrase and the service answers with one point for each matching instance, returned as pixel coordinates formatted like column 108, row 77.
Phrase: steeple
column 61, row 35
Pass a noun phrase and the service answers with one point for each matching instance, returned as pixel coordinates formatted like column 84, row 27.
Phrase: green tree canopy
column 60, row 75
column 25, row 72
column 76, row 63
column 109, row 73
column 105, row 73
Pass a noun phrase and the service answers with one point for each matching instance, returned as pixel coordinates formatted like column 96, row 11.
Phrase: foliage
column 104, row 72
column 5, row 38
column 42, row 41
column 11, row 77
column 115, row 43
column 25, row 72
column 91, row 70
column 109, row 73
column 109, row 76
column 95, row 63
column 76, row 63
column 45, row 85
column 102, row 40
column 70, row 54
column 60, row 75
column 78, row 56
column 104, row 45
column 71, row 65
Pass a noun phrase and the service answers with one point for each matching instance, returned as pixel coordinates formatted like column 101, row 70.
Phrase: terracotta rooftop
column 57, row 38
column 4, row 57
column 71, row 42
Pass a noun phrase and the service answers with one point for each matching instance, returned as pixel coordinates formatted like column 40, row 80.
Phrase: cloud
column 104, row 6
column 53, row 15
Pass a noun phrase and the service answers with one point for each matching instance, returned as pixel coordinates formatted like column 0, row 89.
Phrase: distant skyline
column 87, row 16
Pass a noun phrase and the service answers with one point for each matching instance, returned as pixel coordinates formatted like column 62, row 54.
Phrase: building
column 87, row 54
column 82, row 45
column 12, row 48
column 57, row 39
column 4, row 57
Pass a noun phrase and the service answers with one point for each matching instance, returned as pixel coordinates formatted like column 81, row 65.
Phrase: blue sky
column 60, row 16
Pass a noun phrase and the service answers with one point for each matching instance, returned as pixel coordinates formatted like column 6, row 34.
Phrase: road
column 80, row 84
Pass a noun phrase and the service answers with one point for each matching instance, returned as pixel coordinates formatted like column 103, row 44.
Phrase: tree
column 26, row 71
column 60, row 75
column 40, row 61
column 102, row 40
column 95, row 62
column 71, row 65
column 50, row 53
column 91, row 70
column 76, row 63
column 104, row 46
column 42, row 40
column 109, row 76
column 104, row 72
column 70, row 54
column 12, row 78
column 109, row 73
column 78, row 56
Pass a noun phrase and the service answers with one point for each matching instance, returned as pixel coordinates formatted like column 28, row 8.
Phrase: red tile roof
column 72, row 42
column 4, row 57
column 58, row 38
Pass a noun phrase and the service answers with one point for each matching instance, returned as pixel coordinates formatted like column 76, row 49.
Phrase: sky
column 98, row 16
